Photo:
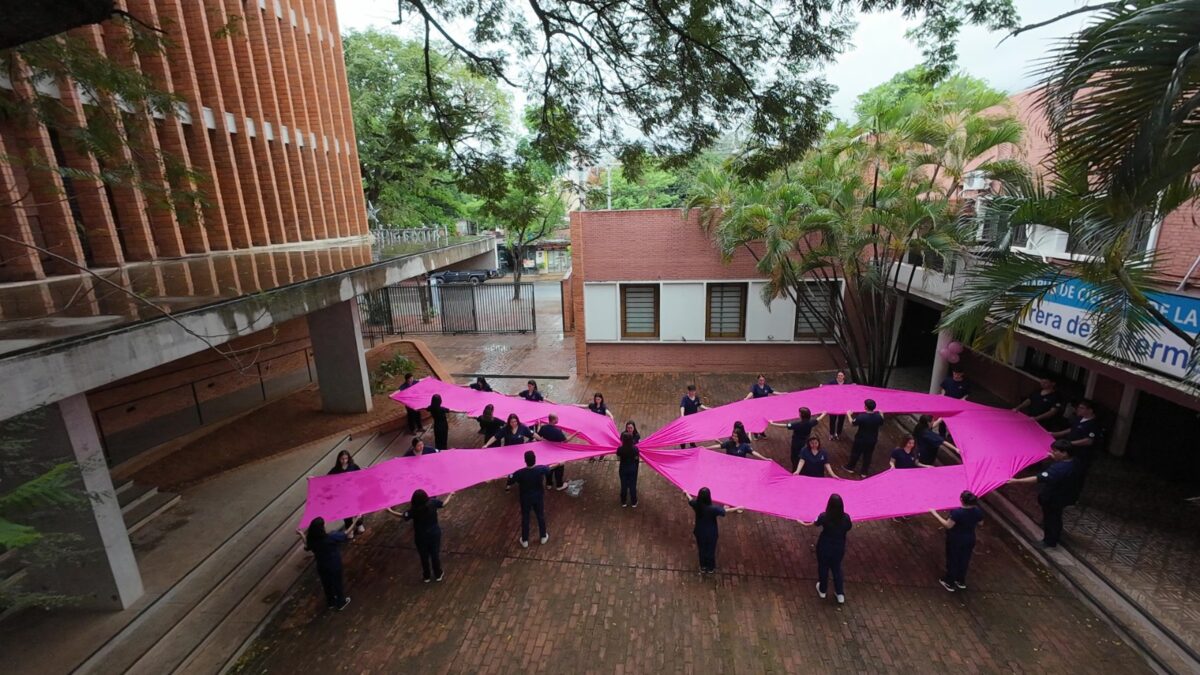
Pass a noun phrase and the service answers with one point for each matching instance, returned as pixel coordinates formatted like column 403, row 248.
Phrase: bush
column 393, row 367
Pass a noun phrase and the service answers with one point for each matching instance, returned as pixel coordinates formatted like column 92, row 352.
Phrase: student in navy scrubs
column 628, row 458
column 326, row 550
column 956, row 385
column 837, row 423
column 705, row 530
column 738, row 444
column 1044, row 405
column 489, row 424
column 929, row 441
column 866, row 437
column 1087, row 435
column 835, row 523
column 760, row 389
column 813, row 461
column 414, row 414
column 905, row 456
column 690, row 405
column 631, row 428
column 512, row 433
column 427, row 533
column 531, row 392
column 597, row 405
column 960, row 540
column 419, row 448
column 550, row 431
column 802, row 430
column 530, row 483
column 441, row 423
column 481, row 384
column 1056, row 490
column 343, row 464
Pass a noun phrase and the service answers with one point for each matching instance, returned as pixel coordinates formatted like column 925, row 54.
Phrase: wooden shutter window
column 812, row 324
column 639, row 311
column 726, row 312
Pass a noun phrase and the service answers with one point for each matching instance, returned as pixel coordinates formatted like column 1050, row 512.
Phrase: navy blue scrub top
column 706, row 519
column 530, row 479
column 531, row 396
column 903, row 459
column 425, row 521
column 966, row 519
column 868, row 424
column 552, row 433
column 814, row 464
column 801, row 431
column 690, row 405
column 954, row 389
column 761, row 392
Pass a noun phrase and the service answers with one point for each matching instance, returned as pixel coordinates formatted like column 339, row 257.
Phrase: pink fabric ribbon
column 996, row 444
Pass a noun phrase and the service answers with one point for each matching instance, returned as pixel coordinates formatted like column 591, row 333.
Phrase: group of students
column 1059, row 483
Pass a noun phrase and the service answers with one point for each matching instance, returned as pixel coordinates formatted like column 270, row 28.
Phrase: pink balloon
column 944, row 353
column 955, row 347
column 953, row 358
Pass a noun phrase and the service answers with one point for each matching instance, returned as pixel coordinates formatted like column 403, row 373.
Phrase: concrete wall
column 606, row 358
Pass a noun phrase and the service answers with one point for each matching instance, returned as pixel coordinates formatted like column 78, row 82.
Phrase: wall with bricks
column 267, row 125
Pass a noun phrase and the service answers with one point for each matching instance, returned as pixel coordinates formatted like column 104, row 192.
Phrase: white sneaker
column 841, row 599
column 524, row 543
column 820, row 593
column 545, row 538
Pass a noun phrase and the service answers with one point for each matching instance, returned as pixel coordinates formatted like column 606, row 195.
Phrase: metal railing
column 447, row 308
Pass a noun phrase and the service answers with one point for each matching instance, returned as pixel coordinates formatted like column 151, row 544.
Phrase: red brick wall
column 608, row 357
column 651, row 244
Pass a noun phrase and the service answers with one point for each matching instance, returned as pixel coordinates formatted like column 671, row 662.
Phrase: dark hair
column 805, row 414
column 598, row 395
column 739, row 433
column 551, row 418
column 346, row 454
column 956, row 369
column 1063, row 445
column 315, row 534
column 968, row 498
column 435, row 401
column 511, row 418
column 489, row 412
column 415, row 440
column 761, row 377
column 814, row 438
column 530, row 458
column 419, row 502
column 633, row 424
column 691, row 387
column 482, row 381
column 407, row 376
column 534, row 383
column 870, row 404
column 1087, row 402
column 835, row 511
column 627, row 449
column 923, row 424
column 703, row 499
column 908, row 438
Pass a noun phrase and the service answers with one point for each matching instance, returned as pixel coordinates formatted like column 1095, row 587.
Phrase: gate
column 447, row 308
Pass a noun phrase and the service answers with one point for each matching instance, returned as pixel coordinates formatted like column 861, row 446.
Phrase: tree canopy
column 409, row 176
column 666, row 78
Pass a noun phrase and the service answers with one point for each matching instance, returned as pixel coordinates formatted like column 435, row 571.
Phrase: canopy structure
column 995, row 445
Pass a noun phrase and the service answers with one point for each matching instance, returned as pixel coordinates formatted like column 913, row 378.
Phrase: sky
column 879, row 49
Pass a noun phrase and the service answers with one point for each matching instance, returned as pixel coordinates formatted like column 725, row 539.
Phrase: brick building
column 113, row 306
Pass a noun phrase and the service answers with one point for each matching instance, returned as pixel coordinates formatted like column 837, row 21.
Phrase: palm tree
column 1122, row 98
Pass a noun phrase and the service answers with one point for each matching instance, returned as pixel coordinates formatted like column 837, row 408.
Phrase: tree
column 654, row 188
column 531, row 206
column 402, row 121
column 830, row 232
column 1122, row 98
column 664, row 78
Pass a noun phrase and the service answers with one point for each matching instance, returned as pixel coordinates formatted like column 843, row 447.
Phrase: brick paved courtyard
column 616, row 590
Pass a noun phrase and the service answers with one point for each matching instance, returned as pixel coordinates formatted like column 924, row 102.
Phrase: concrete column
column 1124, row 421
column 1089, row 387
column 100, row 571
column 940, row 366
column 336, row 335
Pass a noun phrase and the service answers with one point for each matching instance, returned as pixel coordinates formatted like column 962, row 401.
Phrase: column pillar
column 101, row 572
column 940, row 365
column 1124, row 421
column 336, row 335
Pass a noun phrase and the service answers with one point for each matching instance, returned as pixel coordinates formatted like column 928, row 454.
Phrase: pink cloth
column 594, row 428
column 995, row 444
column 389, row 483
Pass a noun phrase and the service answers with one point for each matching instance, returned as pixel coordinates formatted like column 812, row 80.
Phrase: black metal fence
column 447, row 308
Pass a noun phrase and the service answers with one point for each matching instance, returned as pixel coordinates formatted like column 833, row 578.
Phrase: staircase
column 141, row 504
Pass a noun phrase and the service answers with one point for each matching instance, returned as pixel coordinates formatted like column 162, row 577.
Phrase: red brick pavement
column 617, row 591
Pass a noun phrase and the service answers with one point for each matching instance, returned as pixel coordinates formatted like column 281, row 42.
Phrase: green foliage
column 388, row 370
column 1122, row 98
column 871, row 196
column 402, row 120
column 666, row 79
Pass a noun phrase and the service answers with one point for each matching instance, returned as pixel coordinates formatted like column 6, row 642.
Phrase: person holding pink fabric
column 837, row 422
column 835, row 524
column 705, row 529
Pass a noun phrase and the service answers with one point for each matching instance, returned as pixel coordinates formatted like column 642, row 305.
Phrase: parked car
column 464, row 276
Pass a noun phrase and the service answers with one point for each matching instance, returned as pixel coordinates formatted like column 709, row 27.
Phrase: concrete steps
column 201, row 622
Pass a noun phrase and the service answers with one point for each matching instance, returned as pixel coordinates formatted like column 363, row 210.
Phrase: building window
column 639, row 311
column 976, row 180
column 726, row 312
column 814, row 310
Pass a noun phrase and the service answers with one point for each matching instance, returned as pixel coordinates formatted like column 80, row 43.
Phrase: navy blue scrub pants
column 958, row 557
column 829, row 561
column 536, row 504
column 1052, row 524
column 441, row 436
column 836, row 424
column 865, row 450
column 556, row 477
column 628, row 476
column 706, row 542
column 414, row 420
column 331, row 582
column 429, row 547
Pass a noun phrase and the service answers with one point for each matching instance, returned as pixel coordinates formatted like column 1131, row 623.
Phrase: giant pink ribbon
column 995, row 445
column 594, row 428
